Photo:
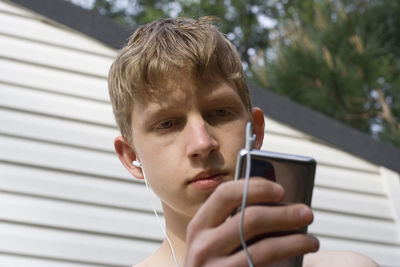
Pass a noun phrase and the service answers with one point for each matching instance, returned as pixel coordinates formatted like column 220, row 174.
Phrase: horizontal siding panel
column 56, row 105
column 73, row 187
column 322, row 153
column 348, row 202
column 35, row 29
column 78, row 217
column 274, row 127
column 56, row 130
column 62, row 158
column 347, row 179
column 57, row 244
column 392, row 185
column 53, row 80
column 54, row 57
column 6, row 7
column 384, row 255
column 24, row 261
column 353, row 227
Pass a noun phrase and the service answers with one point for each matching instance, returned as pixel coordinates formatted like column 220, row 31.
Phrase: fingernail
column 316, row 243
column 305, row 214
column 278, row 189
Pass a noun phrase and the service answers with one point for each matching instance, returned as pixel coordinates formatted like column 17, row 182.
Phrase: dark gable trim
column 275, row 106
column 324, row 128
column 82, row 20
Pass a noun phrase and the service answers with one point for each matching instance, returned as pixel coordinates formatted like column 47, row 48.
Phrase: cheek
column 159, row 167
column 231, row 146
column 158, row 164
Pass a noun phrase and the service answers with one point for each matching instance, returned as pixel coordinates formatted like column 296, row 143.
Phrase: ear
column 258, row 126
column 127, row 155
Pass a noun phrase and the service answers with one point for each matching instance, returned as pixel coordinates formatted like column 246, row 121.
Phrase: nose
column 201, row 141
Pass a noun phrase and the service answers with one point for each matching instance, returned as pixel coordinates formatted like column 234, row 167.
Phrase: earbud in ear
column 137, row 164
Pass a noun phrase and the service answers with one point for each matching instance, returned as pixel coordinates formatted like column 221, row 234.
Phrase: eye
column 220, row 115
column 221, row 112
column 166, row 124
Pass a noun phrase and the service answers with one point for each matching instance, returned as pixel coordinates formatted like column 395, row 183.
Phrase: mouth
column 208, row 179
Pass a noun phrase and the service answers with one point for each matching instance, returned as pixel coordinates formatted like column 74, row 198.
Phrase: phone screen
column 297, row 177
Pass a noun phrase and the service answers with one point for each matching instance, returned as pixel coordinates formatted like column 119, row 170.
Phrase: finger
column 267, row 219
column 228, row 196
column 276, row 249
column 261, row 220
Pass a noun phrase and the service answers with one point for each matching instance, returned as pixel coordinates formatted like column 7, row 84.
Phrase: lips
column 208, row 179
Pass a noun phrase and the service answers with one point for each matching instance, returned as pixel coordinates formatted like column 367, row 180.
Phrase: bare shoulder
column 142, row 264
column 152, row 261
column 338, row 258
column 160, row 258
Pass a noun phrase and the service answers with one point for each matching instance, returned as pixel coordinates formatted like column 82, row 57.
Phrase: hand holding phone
column 294, row 173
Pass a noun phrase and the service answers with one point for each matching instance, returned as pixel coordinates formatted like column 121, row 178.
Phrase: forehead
column 187, row 94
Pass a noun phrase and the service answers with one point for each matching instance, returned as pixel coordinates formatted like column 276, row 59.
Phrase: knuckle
column 224, row 191
column 191, row 230
column 200, row 249
column 194, row 230
column 271, row 253
column 253, row 218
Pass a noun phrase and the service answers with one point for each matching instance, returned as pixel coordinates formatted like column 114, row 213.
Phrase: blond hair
column 160, row 53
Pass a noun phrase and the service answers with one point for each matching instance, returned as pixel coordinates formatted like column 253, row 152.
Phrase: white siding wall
column 65, row 200
column 355, row 209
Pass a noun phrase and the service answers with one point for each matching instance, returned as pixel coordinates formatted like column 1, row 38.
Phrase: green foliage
column 342, row 59
column 239, row 19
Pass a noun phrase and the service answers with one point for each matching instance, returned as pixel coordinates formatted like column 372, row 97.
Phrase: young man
column 181, row 102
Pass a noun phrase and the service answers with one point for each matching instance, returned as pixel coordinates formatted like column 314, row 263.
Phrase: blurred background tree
column 241, row 21
column 341, row 58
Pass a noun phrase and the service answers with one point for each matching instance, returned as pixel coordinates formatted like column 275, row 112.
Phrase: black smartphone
column 294, row 173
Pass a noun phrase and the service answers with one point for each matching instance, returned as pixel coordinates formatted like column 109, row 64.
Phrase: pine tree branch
column 386, row 112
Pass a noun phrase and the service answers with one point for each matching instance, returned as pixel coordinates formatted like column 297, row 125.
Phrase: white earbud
column 137, row 164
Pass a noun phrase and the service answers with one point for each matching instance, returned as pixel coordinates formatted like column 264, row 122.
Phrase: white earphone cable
column 250, row 138
column 159, row 220
column 243, row 206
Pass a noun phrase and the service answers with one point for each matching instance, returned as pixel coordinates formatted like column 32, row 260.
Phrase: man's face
column 188, row 141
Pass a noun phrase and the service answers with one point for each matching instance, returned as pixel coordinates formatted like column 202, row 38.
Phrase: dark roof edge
column 324, row 128
column 88, row 22
column 273, row 105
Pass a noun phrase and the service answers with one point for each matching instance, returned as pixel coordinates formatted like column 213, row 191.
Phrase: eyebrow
column 215, row 98
column 224, row 98
column 154, row 114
